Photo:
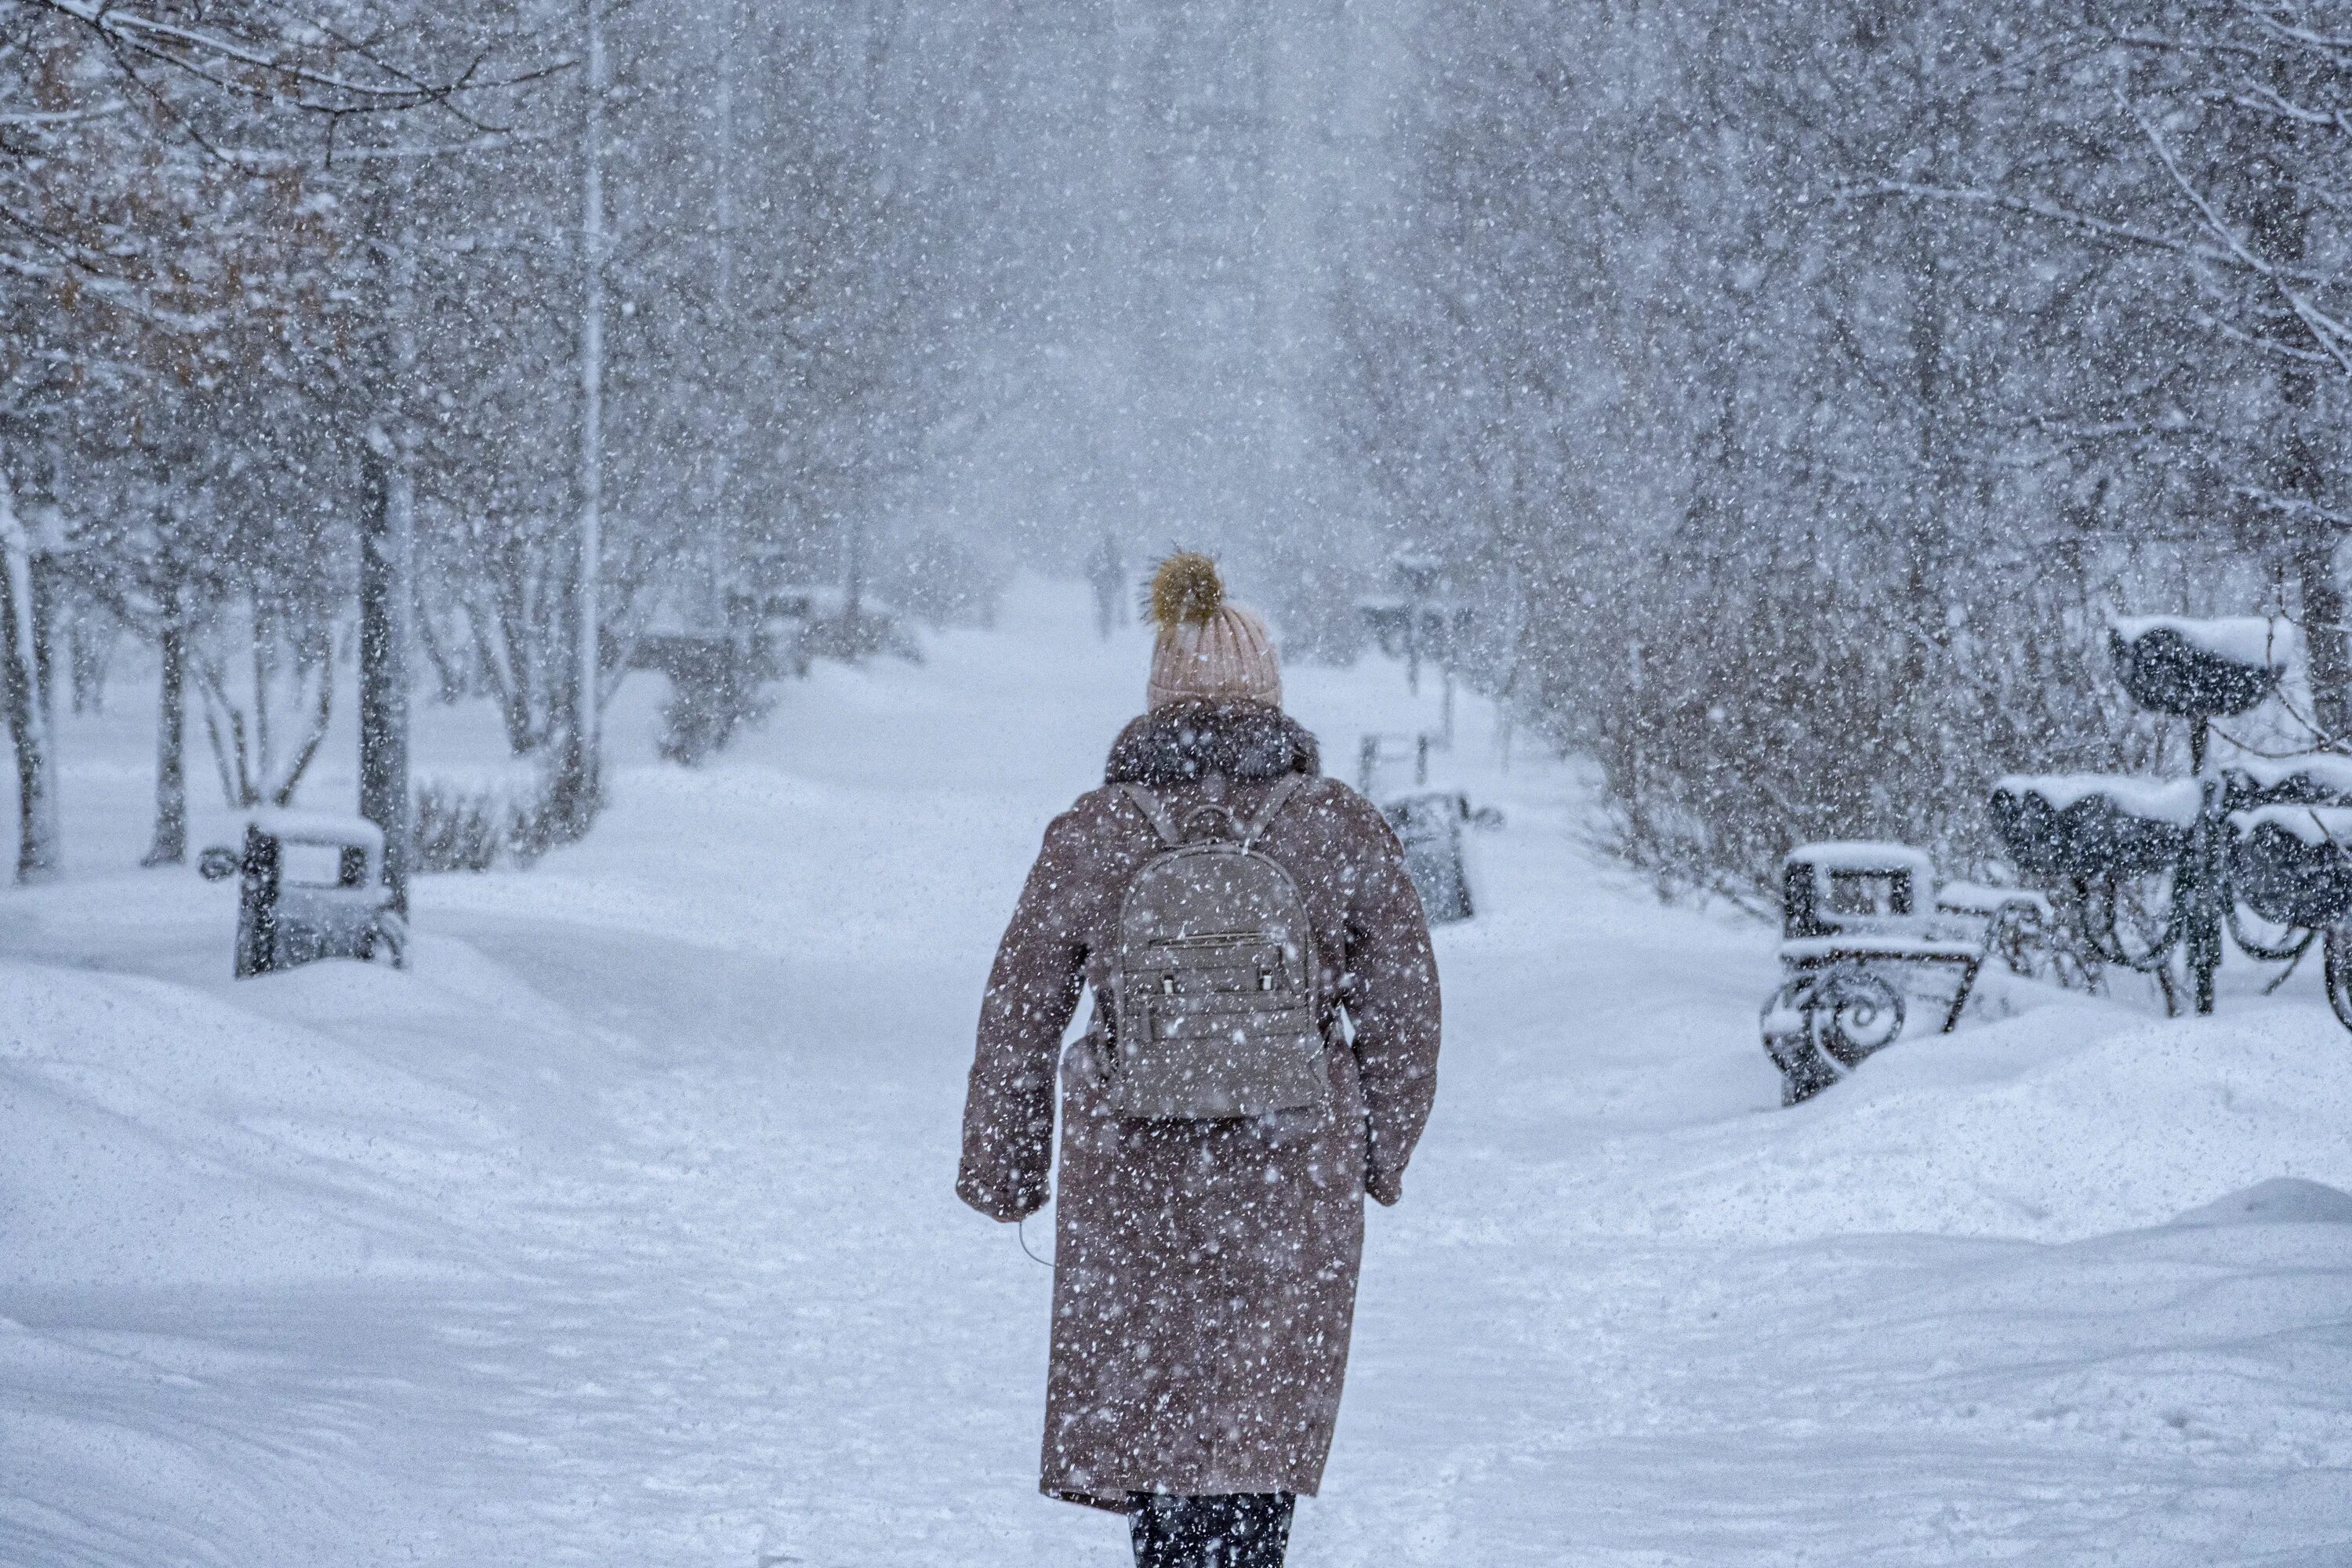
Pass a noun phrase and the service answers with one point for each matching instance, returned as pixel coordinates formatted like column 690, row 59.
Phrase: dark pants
column 1238, row 1529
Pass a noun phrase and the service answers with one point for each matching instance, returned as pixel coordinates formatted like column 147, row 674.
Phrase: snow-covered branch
column 268, row 63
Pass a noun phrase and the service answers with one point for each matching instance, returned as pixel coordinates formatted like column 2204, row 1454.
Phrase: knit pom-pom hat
column 1207, row 649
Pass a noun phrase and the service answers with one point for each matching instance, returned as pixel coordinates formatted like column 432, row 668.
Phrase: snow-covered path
column 620, row 1229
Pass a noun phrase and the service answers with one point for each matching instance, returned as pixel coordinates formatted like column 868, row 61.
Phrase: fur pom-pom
column 1186, row 588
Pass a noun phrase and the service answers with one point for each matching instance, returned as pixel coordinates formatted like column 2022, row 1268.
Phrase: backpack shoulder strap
column 1277, row 797
column 1155, row 811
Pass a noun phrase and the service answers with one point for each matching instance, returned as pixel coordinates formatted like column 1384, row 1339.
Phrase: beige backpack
column 1214, row 973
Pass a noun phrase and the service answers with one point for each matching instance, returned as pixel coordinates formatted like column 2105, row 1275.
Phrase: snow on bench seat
column 1932, row 950
column 318, row 827
column 2254, row 641
column 2314, row 824
column 2327, row 770
column 1981, row 899
column 1862, row 855
column 2173, row 801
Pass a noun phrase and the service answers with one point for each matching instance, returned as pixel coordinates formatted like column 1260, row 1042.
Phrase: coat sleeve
column 1392, row 1001
column 1033, row 989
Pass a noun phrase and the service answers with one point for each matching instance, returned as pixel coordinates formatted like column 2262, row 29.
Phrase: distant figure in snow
column 1107, row 574
column 1263, row 1052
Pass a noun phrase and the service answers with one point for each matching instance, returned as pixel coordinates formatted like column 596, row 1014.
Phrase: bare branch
column 268, row 70
column 2325, row 329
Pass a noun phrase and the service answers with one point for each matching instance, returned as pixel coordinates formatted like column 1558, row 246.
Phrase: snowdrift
column 2074, row 1120
column 620, row 1229
column 328, row 1124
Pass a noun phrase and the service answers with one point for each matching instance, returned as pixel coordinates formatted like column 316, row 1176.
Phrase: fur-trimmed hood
column 1184, row 741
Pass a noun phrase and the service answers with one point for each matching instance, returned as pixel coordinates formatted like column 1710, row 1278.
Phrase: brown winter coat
column 1205, row 1270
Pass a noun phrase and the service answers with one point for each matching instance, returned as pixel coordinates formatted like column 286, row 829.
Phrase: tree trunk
column 171, row 845
column 387, row 565
column 44, row 581
column 725, row 568
column 2282, row 227
column 2330, row 658
column 575, row 790
column 38, row 854
column 387, row 551
column 265, row 666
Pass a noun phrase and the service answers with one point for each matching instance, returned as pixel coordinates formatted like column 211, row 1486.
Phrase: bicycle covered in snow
column 2257, row 850
column 2155, row 876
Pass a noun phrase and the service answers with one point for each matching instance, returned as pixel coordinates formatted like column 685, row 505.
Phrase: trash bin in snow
column 312, row 887
column 1429, row 826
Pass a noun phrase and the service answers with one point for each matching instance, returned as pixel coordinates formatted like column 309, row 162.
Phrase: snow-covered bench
column 311, row 887
column 1856, row 917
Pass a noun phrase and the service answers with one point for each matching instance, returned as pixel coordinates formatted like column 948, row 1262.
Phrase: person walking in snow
column 1107, row 576
column 1262, row 1053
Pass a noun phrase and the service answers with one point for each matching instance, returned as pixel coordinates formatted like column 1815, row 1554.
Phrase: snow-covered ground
column 620, row 1230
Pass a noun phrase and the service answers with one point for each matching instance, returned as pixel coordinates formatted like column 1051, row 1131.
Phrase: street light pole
column 577, row 783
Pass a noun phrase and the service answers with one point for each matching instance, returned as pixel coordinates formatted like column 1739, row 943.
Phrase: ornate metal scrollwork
column 1824, row 1022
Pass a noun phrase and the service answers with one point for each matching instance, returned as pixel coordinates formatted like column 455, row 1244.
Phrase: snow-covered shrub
column 706, row 710
column 1798, row 502
column 939, row 578
column 871, row 630
column 470, row 820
